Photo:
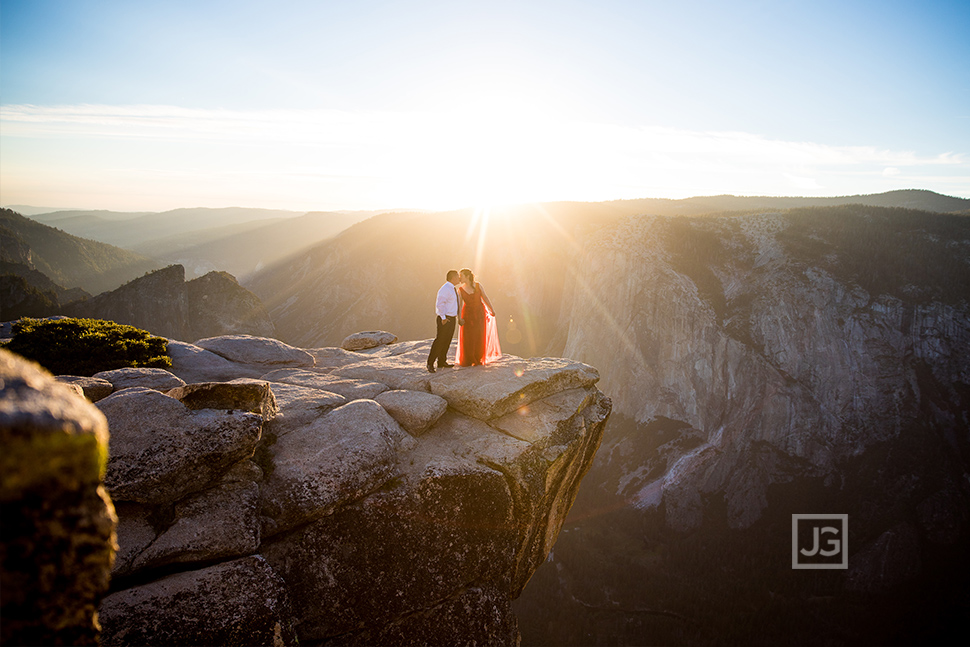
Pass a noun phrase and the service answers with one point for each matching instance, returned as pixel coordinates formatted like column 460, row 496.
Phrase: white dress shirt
column 446, row 305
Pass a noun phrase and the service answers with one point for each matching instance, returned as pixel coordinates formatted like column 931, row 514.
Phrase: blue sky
column 328, row 105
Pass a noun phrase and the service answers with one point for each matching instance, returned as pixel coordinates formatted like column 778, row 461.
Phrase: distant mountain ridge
column 246, row 248
column 357, row 280
column 71, row 261
column 130, row 229
column 920, row 199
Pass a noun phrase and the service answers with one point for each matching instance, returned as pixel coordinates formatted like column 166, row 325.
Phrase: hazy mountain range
column 71, row 261
column 126, row 229
column 377, row 273
column 234, row 239
column 247, row 247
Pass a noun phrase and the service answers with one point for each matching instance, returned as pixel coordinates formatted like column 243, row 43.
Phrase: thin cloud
column 443, row 159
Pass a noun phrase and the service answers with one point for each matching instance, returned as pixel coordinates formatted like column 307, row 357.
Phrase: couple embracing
column 462, row 300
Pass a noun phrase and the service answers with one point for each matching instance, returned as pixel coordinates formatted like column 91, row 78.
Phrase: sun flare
column 493, row 144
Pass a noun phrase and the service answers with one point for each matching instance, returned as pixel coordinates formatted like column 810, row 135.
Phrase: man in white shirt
column 446, row 309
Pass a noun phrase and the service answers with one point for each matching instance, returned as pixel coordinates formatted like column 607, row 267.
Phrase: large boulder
column 58, row 523
column 150, row 378
column 93, row 388
column 161, row 450
column 256, row 351
column 494, row 390
column 195, row 364
column 327, row 359
column 541, row 420
column 368, row 339
column 341, row 456
column 400, row 372
column 472, row 513
column 299, row 406
column 393, row 542
column 215, row 524
column 415, row 411
column 352, row 389
column 241, row 602
column 244, row 394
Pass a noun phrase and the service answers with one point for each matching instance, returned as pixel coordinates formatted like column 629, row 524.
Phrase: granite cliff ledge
column 268, row 494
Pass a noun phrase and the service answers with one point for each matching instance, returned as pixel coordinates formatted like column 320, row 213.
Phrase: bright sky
column 365, row 105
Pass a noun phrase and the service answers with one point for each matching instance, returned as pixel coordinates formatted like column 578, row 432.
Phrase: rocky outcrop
column 257, row 351
column 93, row 388
column 58, row 523
column 218, row 305
column 369, row 339
column 258, row 511
column 245, row 602
column 151, row 378
column 155, row 302
column 185, row 451
column 163, row 303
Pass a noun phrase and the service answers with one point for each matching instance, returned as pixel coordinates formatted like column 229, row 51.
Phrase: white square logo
column 820, row 541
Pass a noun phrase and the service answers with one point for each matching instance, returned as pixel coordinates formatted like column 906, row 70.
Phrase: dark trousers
column 442, row 341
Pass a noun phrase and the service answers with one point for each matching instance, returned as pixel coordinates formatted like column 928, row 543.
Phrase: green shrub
column 87, row 346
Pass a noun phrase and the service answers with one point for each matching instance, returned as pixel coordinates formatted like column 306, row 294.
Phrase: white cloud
column 317, row 159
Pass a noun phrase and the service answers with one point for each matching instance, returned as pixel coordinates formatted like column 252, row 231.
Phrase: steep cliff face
column 344, row 498
column 773, row 336
column 765, row 365
column 163, row 303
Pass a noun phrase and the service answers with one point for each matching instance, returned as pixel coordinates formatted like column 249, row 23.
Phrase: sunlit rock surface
column 368, row 339
column 151, row 378
column 415, row 517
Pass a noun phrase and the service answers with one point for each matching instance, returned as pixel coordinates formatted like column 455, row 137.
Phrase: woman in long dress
column 478, row 337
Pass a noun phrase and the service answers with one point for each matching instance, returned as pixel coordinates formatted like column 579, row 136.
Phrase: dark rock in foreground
column 58, row 523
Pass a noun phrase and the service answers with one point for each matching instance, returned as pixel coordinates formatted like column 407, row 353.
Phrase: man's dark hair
column 452, row 274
